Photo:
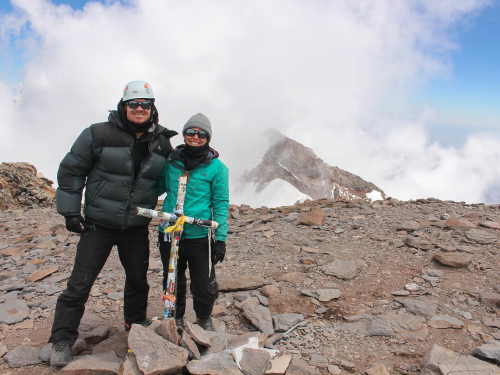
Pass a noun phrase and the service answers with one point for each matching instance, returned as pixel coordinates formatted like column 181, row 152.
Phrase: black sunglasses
column 201, row 134
column 144, row 105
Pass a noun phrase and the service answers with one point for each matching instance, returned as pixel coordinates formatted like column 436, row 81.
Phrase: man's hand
column 219, row 251
column 77, row 224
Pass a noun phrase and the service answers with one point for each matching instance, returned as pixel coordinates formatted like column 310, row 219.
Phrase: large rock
column 278, row 365
column 377, row 370
column 221, row 363
column 254, row 361
column 260, row 316
column 323, row 295
column 95, row 364
column 116, row 343
column 241, row 283
column 445, row 321
column 488, row 351
column 468, row 366
column 398, row 325
column 300, row 367
column 270, row 291
column 314, row 217
column 453, row 259
column 419, row 307
column 441, row 361
column 283, row 322
column 155, row 355
column 490, row 298
column 481, row 236
column 292, row 277
column 168, row 330
column 433, row 357
column 408, row 226
column 417, row 243
column 23, row 355
column 188, row 343
column 198, row 334
column 490, row 224
column 459, row 224
column 42, row 272
column 14, row 311
column 342, row 269
column 130, row 366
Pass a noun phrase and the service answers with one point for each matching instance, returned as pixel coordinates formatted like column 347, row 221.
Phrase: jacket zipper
column 133, row 179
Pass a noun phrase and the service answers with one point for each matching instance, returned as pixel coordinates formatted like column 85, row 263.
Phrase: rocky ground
column 380, row 284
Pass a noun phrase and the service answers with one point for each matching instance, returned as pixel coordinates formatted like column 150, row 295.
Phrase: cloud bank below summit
column 335, row 76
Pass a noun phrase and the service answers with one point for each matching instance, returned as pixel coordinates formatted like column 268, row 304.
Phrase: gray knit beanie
column 199, row 121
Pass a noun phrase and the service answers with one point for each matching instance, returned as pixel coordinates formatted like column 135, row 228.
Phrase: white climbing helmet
column 137, row 90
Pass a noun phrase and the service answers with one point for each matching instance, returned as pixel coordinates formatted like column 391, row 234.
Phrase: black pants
column 91, row 255
column 204, row 288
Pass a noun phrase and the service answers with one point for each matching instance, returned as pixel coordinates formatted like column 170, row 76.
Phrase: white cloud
column 333, row 75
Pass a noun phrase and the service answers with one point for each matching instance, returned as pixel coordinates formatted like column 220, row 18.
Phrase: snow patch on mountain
column 277, row 193
column 374, row 196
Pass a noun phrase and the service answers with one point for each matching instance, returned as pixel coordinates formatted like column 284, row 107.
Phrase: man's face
column 137, row 115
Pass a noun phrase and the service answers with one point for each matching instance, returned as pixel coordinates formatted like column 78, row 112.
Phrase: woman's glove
column 218, row 251
column 77, row 224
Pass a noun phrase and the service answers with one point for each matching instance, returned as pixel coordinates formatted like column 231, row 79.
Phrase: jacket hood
column 114, row 118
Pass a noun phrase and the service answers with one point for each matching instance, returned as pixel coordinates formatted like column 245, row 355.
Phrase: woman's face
column 195, row 140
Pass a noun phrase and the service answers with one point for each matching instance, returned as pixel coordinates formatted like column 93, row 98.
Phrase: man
column 118, row 163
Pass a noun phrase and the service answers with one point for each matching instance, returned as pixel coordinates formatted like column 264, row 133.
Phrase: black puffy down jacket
column 101, row 160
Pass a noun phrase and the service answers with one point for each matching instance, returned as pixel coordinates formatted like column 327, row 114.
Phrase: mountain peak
column 298, row 165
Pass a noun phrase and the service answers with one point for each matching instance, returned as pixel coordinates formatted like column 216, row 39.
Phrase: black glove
column 218, row 251
column 74, row 223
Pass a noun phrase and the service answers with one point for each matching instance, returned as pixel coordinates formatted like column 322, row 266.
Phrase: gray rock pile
column 22, row 186
column 329, row 287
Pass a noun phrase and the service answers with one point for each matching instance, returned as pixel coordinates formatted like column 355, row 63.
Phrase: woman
column 207, row 197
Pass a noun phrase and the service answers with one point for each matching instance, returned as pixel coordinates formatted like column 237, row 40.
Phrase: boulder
column 418, row 306
column 13, row 311
column 315, row 217
column 198, row 334
column 154, row 354
column 221, row 363
column 283, row 322
column 241, row 283
column 254, row 361
column 260, row 316
column 445, row 321
column 168, row 330
column 459, row 224
column 342, row 269
column 488, row 351
column 96, row 364
column 323, row 295
column 300, row 367
column 23, row 355
column 453, row 259
column 278, row 365
column 409, row 226
column 116, row 343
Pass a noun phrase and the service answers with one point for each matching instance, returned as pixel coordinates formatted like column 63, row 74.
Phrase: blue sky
column 469, row 99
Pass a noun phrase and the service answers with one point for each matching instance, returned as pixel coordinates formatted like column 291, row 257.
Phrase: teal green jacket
column 207, row 193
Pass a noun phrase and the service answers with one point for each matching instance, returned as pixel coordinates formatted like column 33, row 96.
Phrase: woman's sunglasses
column 144, row 105
column 201, row 134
